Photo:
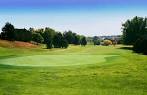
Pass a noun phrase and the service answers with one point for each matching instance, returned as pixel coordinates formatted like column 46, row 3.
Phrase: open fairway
column 90, row 70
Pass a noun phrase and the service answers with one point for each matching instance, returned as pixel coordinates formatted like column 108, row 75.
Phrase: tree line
column 48, row 36
column 135, row 33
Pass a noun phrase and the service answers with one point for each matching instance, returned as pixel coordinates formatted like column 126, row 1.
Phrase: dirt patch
column 24, row 44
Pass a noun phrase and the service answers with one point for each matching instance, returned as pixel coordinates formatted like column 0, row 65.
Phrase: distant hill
column 16, row 44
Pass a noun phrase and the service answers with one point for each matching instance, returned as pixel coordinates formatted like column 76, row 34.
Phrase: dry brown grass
column 16, row 44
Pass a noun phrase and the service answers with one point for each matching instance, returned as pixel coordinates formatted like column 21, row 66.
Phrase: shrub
column 107, row 42
column 83, row 41
column 96, row 42
column 37, row 38
column 140, row 45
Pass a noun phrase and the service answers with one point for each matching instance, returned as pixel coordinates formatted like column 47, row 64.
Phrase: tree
column 140, row 45
column 76, row 39
column 133, row 29
column 8, row 31
column 64, row 43
column 31, row 29
column 37, row 38
column 57, row 40
column 96, row 40
column 48, row 36
column 23, row 35
column 69, row 37
column 40, row 31
column 83, row 41
column 3, row 35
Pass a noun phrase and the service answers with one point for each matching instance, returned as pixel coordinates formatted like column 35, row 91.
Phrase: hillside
column 16, row 44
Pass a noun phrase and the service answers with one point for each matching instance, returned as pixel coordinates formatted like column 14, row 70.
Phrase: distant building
column 113, row 37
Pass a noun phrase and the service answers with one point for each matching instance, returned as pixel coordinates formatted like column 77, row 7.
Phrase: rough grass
column 124, row 74
column 16, row 44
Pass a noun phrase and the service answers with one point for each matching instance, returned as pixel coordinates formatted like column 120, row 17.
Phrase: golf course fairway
column 89, row 70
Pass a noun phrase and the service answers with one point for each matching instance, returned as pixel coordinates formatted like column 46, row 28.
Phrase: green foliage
column 11, row 33
column 133, row 29
column 64, row 43
column 48, row 36
column 59, row 41
column 83, row 41
column 134, row 32
column 69, row 37
column 31, row 29
column 23, row 35
column 72, row 38
column 76, row 40
column 37, row 38
column 140, row 45
column 41, row 31
column 96, row 40
column 8, row 32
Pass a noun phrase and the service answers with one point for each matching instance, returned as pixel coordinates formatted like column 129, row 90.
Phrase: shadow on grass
column 126, row 48
column 8, row 56
column 131, row 48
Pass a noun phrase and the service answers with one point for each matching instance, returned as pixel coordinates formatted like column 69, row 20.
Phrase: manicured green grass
column 90, row 70
column 55, row 60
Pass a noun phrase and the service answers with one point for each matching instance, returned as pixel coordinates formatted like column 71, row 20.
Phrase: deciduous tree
column 8, row 31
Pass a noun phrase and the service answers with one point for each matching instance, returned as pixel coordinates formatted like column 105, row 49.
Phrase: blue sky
column 87, row 17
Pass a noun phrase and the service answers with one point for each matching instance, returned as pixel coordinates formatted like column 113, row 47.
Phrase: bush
column 107, row 42
column 83, row 41
column 96, row 42
column 140, row 45
column 37, row 38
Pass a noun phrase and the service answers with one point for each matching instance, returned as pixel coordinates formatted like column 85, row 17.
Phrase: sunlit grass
column 122, row 74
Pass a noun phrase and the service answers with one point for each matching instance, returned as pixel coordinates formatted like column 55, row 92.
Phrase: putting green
column 55, row 60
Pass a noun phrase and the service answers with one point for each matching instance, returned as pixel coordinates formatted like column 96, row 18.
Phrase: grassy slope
column 16, row 44
column 125, row 74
